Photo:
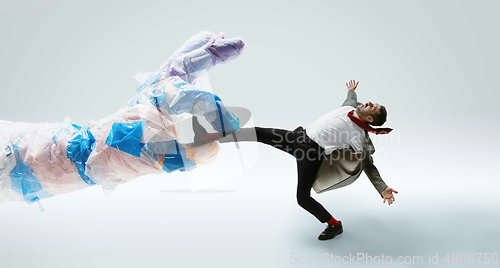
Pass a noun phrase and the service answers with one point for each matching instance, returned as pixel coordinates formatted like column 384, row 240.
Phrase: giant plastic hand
column 197, row 56
column 41, row 160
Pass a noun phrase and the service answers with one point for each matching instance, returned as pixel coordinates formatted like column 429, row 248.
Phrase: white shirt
column 336, row 130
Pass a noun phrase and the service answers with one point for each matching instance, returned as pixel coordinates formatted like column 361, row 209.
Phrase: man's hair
column 379, row 119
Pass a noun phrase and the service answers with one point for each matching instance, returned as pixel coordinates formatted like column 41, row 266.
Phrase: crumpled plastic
column 41, row 160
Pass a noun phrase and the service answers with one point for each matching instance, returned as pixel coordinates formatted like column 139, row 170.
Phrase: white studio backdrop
column 431, row 63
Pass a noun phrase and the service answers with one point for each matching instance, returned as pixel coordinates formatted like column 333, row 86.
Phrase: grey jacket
column 343, row 167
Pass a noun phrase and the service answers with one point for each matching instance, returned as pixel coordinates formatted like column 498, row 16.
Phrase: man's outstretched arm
column 372, row 173
column 352, row 98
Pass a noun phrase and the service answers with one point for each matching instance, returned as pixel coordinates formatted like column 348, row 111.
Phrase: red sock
column 333, row 221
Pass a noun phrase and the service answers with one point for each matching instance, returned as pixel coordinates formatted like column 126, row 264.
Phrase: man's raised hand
column 352, row 85
column 387, row 194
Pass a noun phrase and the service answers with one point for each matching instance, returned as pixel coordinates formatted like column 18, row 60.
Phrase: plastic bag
column 41, row 160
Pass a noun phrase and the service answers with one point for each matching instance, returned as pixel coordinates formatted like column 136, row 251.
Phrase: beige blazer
column 343, row 167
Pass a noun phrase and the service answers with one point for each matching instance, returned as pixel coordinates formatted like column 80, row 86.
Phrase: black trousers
column 309, row 156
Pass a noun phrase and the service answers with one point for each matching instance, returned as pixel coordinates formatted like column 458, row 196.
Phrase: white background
column 433, row 64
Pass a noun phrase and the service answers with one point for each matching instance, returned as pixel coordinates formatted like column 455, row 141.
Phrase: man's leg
column 306, row 171
column 309, row 159
column 307, row 153
column 278, row 138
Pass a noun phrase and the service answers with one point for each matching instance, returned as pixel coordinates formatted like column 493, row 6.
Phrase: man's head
column 373, row 114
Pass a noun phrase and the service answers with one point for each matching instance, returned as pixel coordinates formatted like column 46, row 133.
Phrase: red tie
column 362, row 124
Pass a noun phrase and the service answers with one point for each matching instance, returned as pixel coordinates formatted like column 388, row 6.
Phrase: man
column 342, row 130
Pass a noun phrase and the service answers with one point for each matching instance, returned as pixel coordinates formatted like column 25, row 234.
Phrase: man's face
column 365, row 111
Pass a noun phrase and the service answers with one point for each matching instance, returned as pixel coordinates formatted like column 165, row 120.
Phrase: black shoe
column 199, row 132
column 331, row 231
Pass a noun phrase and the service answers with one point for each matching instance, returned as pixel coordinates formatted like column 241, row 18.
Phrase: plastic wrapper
column 41, row 160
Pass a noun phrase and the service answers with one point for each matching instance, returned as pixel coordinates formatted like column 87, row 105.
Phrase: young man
column 344, row 129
